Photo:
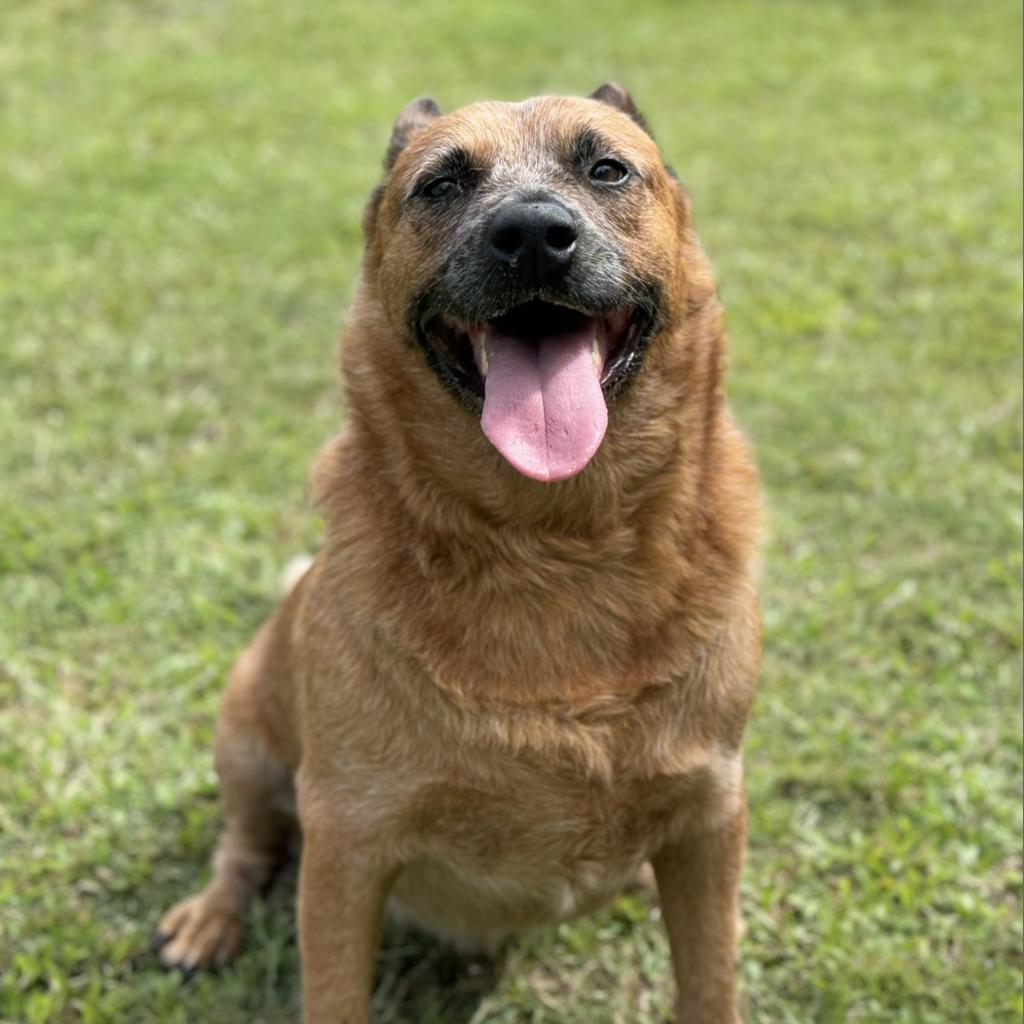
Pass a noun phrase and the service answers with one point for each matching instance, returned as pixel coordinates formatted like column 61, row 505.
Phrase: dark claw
column 187, row 974
column 447, row 969
column 158, row 939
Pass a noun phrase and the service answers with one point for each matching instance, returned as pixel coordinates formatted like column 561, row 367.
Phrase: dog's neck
column 520, row 569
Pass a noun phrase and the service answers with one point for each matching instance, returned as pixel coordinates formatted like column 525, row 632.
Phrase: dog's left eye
column 609, row 172
column 440, row 188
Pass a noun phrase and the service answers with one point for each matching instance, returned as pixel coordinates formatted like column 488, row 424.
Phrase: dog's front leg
column 698, row 887
column 343, row 886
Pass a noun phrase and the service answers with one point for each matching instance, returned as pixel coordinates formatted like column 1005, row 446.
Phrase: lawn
column 180, row 189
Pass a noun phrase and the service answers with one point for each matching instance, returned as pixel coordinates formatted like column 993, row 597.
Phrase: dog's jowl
column 520, row 668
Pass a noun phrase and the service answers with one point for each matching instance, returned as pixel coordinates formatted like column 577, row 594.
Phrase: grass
column 180, row 190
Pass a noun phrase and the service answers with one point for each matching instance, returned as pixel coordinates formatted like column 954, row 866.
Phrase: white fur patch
column 294, row 571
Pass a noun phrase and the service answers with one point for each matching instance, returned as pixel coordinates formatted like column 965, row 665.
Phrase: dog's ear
column 416, row 116
column 615, row 96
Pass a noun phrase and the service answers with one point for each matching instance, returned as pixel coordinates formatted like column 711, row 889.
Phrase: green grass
column 180, row 190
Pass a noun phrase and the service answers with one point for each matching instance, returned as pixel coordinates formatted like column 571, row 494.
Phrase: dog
column 521, row 667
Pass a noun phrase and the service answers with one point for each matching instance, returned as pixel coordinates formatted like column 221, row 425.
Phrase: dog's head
column 530, row 254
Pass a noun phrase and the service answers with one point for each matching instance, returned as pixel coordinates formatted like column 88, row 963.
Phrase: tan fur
column 500, row 698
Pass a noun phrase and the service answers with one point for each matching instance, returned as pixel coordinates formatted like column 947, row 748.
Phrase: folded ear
column 416, row 115
column 615, row 96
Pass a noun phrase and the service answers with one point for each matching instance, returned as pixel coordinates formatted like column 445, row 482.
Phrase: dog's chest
column 534, row 851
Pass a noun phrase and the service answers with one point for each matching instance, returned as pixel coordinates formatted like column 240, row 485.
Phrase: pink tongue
column 543, row 405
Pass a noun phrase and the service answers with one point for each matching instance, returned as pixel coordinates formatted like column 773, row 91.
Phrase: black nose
column 535, row 238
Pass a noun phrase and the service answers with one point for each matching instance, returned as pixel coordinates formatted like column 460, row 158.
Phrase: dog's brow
column 587, row 145
column 454, row 162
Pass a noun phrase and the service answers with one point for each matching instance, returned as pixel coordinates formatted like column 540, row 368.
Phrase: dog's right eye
column 440, row 188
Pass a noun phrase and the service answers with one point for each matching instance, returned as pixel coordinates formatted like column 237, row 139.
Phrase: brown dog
column 522, row 664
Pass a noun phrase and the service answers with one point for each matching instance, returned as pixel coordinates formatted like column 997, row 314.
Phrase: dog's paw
column 197, row 934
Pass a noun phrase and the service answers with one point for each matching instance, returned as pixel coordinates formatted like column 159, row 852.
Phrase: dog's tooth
column 478, row 340
column 595, row 353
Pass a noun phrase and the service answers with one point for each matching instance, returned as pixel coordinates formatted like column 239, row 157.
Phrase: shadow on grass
column 419, row 980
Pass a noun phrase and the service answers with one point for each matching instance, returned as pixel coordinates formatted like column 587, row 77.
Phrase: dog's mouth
column 544, row 373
